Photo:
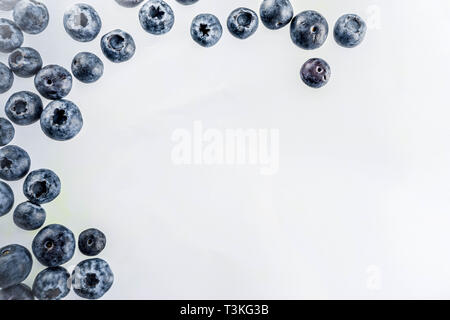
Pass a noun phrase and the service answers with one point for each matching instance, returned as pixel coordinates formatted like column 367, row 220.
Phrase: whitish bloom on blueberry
column 187, row 2
column 92, row 278
column 315, row 73
column 118, row 46
column 11, row 37
column 242, row 23
column 54, row 245
column 91, row 242
column 309, row 30
column 82, row 22
column 275, row 14
column 53, row 82
column 8, row 5
column 31, row 16
column 25, row 62
column 6, row 198
column 206, row 30
column 156, row 17
column 6, row 78
column 24, row 108
column 29, row 216
column 52, row 284
column 15, row 265
column 14, row 163
column 129, row 3
column 42, row 186
column 350, row 30
column 7, row 132
column 18, row 292
column 87, row 67
column 61, row 120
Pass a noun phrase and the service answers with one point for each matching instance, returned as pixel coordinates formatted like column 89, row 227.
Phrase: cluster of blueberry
column 60, row 120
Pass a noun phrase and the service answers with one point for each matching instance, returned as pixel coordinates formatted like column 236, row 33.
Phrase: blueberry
column 15, row 265
column 275, row 14
column 31, row 16
column 315, row 73
column 14, row 163
column 187, row 2
column 29, row 216
column 7, row 132
column 42, row 186
column 11, row 37
column 61, row 120
column 92, row 278
column 25, row 62
column 87, row 67
column 54, row 245
column 6, row 198
column 309, row 30
column 8, row 5
column 156, row 17
column 129, row 3
column 350, row 30
column 52, row 284
column 118, row 46
column 206, row 30
column 91, row 242
column 53, row 82
column 18, row 292
column 24, row 108
column 6, row 78
column 82, row 22
column 242, row 23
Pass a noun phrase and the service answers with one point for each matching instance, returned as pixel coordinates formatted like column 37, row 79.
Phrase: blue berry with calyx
column 156, row 17
column 309, row 30
column 7, row 132
column 8, row 5
column 82, row 22
column 92, row 278
column 24, row 108
column 14, row 163
column 6, row 78
column 350, row 30
column 18, row 292
column 187, row 2
column 315, row 73
column 275, row 14
column 31, row 16
column 87, row 67
column 206, row 30
column 53, row 82
column 42, row 186
column 118, row 46
column 11, row 37
column 6, row 198
column 242, row 23
column 29, row 216
column 54, row 245
column 25, row 62
column 129, row 3
column 52, row 284
column 91, row 242
column 15, row 265
column 61, row 120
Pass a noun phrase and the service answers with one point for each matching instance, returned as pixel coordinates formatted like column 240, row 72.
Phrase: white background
column 359, row 207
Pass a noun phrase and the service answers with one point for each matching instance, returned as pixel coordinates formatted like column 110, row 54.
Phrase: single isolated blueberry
column 7, row 132
column 31, row 16
column 6, row 198
column 8, row 5
column 14, row 163
column 206, row 30
column 350, row 30
column 315, row 73
column 42, row 186
column 92, row 278
column 54, row 245
column 275, row 14
column 118, row 46
column 29, row 216
column 11, row 37
column 156, row 17
column 91, row 242
column 61, row 120
column 16, row 293
column 53, row 82
column 82, row 22
column 87, row 67
column 24, row 108
column 242, row 23
column 52, row 284
column 309, row 30
column 25, row 62
column 6, row 78
column 15, row 265
column 187, row 2
column 129, row 3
